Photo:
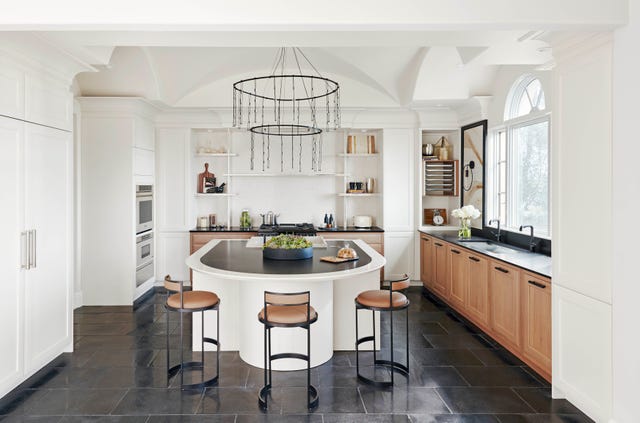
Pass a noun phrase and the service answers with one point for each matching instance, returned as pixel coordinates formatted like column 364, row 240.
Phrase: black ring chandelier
column 287, row 105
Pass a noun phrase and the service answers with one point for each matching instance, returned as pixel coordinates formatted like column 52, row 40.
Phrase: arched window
column 518, row 161
column 526, row 96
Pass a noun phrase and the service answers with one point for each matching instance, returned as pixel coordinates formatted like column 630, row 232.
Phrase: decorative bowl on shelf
column 287, row 247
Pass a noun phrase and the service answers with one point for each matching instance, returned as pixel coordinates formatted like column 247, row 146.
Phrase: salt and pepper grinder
column 326, row 220
column 331, row 220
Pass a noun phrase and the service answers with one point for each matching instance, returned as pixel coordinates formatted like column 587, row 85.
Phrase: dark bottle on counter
column 326, row 220
column 331, row 220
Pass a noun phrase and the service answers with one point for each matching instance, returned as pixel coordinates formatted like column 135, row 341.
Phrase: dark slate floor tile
column 281, row 379
column 544, row 418
column 30, row 419
column 366, row 418
column 226, row 418
column 132, row 377
column 104, row 419
column 158, row 401
column 104, row 328
column 331, row 400
column 124, row 358
column 458, row 340
column 453, row 418
column 429, row 328
column 434, row 377
column 483, row 400
column 445, row 357
column 403, row 400
column 56, row 402
column 541, row 401
column 279, row 418
column 237, row 401
column 497, row 357
column 497, row 376
column 103, row 309
column 78, row 358
column 61, row 377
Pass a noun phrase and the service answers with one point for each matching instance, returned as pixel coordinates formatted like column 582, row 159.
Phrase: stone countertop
column 231, row 259
column 533, row 262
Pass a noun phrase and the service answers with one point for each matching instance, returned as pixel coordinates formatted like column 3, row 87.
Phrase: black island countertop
column 319, row 230
column 524, row 259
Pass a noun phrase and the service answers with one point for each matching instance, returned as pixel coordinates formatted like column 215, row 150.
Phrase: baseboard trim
column 583, row 402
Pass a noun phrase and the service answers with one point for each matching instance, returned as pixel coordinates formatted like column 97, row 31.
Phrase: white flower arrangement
column 466, row 212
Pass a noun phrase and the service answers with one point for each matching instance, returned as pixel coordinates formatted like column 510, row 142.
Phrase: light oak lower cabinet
column 441, row 269
column 504, row 289
column 477, row 304
column 536, row 302
column 426, row 260
column 458, row 277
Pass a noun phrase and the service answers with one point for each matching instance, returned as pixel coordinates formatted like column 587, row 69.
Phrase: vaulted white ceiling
column 429, row 68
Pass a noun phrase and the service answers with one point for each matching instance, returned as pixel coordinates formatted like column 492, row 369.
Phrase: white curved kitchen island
column 239, row 276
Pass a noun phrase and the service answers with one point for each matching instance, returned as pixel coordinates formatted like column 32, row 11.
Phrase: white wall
column 626, row 203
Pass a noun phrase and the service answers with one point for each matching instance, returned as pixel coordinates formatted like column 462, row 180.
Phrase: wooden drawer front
column 458, row 272
column 536, row 300
column 368, row 237
column 441, row 269
column 504, row 287
column 477, row 305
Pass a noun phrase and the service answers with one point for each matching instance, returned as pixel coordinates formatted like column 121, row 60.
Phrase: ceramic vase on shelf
column 465, row 228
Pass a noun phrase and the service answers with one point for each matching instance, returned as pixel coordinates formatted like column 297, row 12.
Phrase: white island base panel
column 242, row 300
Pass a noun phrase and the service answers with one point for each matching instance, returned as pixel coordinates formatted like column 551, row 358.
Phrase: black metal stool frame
column 312, row 392
column 392, row 364
column 192, row 365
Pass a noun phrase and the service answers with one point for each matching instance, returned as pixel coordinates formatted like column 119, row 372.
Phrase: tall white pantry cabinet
column 36, row 222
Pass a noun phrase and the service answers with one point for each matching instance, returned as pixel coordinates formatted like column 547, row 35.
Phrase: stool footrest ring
column 192, row 365
column 398, row 367
column 289, row 355
column 365, row 339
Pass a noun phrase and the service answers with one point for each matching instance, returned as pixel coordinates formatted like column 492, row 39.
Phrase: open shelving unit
column 356, row 167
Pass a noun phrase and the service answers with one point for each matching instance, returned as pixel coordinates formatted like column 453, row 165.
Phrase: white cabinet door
column 48, row 102
column 11, row 135
column 11, row 91
column 48, row 211
column 143, row 162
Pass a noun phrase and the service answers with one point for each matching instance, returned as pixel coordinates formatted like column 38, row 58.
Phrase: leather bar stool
column 183, row 300
column 389, row 301
column 286, row 310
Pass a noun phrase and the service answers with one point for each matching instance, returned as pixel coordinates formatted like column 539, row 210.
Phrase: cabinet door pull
column 35, row 249
column 426, row 239
column 24, row 250
column 455, row 251
column 438, row 244
column 474, row 259
column 501, row 269
column 538, row 284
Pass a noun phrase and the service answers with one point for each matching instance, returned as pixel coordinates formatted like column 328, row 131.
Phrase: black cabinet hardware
column 500, row 269
column 425, row 239
column 455, row 251
column 438, row 244
column 474, row 259
column 538, row 284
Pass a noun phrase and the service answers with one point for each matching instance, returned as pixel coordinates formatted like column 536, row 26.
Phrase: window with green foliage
column 518, row 183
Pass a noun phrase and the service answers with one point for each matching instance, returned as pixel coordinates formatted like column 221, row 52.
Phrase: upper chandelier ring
column 331, row 86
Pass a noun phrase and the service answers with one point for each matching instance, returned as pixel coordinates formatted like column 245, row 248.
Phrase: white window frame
column 508, row 128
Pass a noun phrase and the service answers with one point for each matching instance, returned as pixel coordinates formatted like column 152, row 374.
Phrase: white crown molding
column 32, row 52
column 118, row 107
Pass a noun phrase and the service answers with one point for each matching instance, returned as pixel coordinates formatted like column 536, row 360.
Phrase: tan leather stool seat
column 380, row 299
column 288, row 314
column 193, row 300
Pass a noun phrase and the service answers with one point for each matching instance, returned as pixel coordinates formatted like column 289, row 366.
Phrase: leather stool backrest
column 399, row 282
column 287, row 300
column 171, row 285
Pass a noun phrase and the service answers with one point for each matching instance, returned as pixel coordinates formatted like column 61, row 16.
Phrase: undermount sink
column 492, row 247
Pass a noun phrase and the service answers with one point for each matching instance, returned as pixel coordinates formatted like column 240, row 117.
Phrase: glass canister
column 245, row 219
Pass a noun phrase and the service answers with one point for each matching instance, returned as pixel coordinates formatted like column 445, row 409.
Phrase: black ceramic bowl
column 287, row 254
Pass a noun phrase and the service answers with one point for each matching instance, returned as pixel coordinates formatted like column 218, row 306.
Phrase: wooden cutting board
column 332, row 259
